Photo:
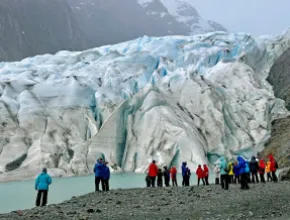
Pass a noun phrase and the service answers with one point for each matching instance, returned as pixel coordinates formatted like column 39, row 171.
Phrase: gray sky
column 257, row 17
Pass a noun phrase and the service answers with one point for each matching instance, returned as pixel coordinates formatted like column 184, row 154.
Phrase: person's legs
column 38, row 198
column 203, row 181
column 206, row 180
column 253, row 177
column 226, row 182
column 153, row 179
column 198, row 181
column 269, row 177
column 222, row 181
column 167, row 181
column 232, row 179
column 97, row 182
column 106, row 183
column 274, row 177
column 44, row 197
column 246, row 183
column 175, row 181
column 242, row 180
column 262, row 177
column 103, row 184
column 256, row 175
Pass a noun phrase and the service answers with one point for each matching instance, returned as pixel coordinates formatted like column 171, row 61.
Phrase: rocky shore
column 262, row 201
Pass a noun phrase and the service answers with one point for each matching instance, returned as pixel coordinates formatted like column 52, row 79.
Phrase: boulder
column 284, row 175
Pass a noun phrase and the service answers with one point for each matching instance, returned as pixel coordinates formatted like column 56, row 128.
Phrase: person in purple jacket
column 237, row 173
column 107, row 175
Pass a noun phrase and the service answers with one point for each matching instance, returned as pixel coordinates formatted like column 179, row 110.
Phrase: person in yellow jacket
column 268, row 171
column 231, row 172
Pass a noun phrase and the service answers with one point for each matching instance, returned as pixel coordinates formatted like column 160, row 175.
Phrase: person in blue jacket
column 242, row 167
column 99, row 174
column 107, row 175
column 42, row 184
column 237, row 173
column 223, row 165
column 184, row 172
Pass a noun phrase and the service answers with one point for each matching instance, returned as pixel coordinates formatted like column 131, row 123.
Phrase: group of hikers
column 156, row 173
column 238, row 171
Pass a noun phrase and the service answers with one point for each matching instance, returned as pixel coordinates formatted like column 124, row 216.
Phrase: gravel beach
column 262, row 201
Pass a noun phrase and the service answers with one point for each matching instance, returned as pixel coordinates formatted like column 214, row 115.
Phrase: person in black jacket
column 159, row 178
column 166, row 174
column 254, row 167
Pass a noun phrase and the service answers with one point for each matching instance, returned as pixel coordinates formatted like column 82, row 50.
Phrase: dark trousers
column 42, row 194
column 217, row 180
column 269, row 177
column 274, row 177
column 225, row 181
column 153, row 179
column 159, row 182
column 237, row 179
column 174, row 182
column 262, row 177
column 244, row 181
column 206, row 180
column 186, row 183
column 231, row 179
column 183, row 180
column 106, row 183
column 99, row 180
column 198, row 181
column 255, row 176
column 249, row 177
column 166, row 181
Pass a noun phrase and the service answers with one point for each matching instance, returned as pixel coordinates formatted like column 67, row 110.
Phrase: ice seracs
column 172, row 98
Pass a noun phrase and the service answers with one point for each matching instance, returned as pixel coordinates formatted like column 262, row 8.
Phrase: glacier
column 172, row 99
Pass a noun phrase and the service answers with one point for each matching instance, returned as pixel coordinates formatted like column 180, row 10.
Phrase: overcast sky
column 257, row 17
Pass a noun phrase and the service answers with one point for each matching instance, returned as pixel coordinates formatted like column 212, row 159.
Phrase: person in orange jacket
column 200, row 175
column 206, row 173
column 268, row 171
column 173, row 174
column 262, row 170
column 153, row 172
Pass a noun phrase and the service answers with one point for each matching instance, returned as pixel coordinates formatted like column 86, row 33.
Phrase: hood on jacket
column 271, row 158
column 241, row 159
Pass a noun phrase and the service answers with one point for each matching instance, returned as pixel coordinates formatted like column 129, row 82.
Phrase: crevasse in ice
column 174, row 99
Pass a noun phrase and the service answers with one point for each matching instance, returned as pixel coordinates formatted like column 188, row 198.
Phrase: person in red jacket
column 173, row 173
column 153, row 172
column 261, row 171
column 206, row 173
column 273, row 167
column 200, row 175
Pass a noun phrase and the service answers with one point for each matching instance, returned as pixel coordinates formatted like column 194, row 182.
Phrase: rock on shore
column 262, row 201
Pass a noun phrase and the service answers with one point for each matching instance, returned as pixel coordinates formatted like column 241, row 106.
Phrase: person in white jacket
column 217, row 174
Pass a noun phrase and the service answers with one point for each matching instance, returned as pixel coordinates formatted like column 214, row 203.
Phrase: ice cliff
column 172, row 98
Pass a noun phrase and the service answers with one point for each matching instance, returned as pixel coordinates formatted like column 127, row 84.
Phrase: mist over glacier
column 174, row 99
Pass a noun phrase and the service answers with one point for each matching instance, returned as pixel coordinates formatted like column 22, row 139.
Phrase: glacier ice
column 174, row 98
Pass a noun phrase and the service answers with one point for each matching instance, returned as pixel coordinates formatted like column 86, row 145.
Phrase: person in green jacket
column 223, row 165
column 41, row 185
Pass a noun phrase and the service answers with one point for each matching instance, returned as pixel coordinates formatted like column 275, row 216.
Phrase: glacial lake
column 21, row 195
